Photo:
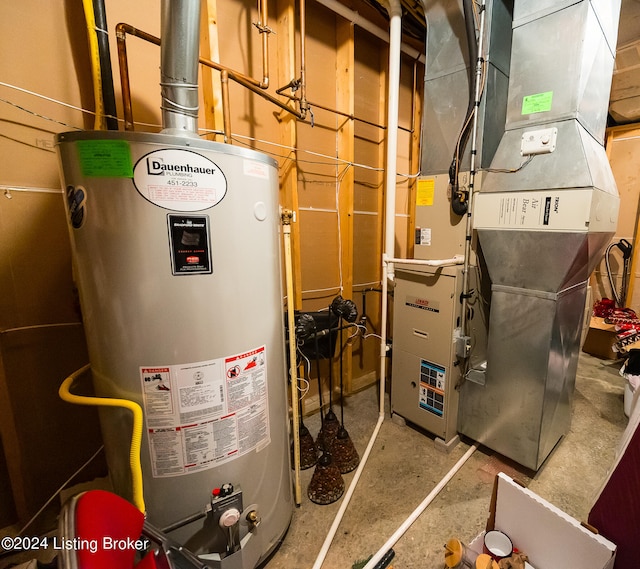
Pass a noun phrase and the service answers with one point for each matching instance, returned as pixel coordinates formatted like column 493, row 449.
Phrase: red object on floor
column 114, row 526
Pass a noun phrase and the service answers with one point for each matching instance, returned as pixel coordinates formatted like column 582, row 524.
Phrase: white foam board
column 551, row 538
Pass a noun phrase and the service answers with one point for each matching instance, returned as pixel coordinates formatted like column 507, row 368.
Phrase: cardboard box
column 600, row 339
column 550, row 538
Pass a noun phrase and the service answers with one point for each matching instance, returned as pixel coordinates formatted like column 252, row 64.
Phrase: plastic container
column 458, row 555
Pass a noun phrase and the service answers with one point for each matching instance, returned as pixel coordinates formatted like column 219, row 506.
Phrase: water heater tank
column 176, row 247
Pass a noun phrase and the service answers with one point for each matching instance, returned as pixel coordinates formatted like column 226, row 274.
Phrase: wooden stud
column 286, row 26
column 345, row 101
column 211, row 86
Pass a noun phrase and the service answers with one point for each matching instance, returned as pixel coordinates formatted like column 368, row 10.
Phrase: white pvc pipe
column 395, row 13
column 395, row 37
column 455, row 260
column 361, row 22
column 416, row 513
column 347, row 498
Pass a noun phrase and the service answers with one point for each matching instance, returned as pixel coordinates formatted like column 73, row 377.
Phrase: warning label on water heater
column 203, row 414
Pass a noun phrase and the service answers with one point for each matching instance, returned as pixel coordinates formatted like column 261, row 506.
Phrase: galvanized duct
column 547, row 208
column 179, row 53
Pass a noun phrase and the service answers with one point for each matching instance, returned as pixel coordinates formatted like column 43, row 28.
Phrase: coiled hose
column 136, row 434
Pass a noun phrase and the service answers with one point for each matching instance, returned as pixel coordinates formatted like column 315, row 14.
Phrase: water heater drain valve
column 253, row 518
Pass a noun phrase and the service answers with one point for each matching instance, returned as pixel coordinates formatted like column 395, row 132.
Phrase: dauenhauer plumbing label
column 203, row 414
column 179, row 179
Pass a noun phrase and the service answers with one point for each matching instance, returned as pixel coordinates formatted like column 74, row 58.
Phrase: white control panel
column 538, row 141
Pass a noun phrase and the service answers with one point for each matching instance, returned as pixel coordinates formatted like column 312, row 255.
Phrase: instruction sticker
column 425, row 192
column 432, row 386
column 538, row 103
column 203, row 414
column 105, row 158
column 423, row 236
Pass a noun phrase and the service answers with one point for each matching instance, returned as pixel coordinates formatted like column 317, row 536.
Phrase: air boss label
column 189, row 239
column 180, row 180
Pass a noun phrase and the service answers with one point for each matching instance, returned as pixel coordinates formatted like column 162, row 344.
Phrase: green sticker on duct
column 105, row 158
column 538, row 103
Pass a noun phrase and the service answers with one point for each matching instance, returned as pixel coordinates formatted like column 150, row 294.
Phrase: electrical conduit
column 472, row 175
column 136, row 435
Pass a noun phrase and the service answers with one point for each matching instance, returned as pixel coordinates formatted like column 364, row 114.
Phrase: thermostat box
column 547, row 535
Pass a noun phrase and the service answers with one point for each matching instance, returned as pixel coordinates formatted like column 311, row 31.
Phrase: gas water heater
column 176, row 251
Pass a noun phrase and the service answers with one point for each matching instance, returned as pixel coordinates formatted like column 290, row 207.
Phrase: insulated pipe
column 179, row 51
column 421, row 508
column 395, row 12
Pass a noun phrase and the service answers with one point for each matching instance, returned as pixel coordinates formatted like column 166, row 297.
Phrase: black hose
column 106, row 75
column 341, row 373
column 331, row 354
column 317, row 348
column 626, row 249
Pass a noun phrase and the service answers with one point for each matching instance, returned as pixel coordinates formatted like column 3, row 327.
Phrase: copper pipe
column 303, row 59
column 348, row 115
column 123, row 29
column 124, row 77
column 298, row 114
column 226, row 115
column 263, row 28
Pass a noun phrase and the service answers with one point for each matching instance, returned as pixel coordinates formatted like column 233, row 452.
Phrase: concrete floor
column 404, row 466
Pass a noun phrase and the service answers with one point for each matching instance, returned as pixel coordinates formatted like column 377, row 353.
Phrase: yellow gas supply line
column 136, row 435
column 89, row 16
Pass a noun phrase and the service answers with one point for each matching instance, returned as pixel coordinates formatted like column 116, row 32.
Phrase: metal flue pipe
column 179, row 53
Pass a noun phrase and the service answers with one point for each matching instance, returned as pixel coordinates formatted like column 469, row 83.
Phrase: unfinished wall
column 331, row 173
column 41, row 339
column 623, row 150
